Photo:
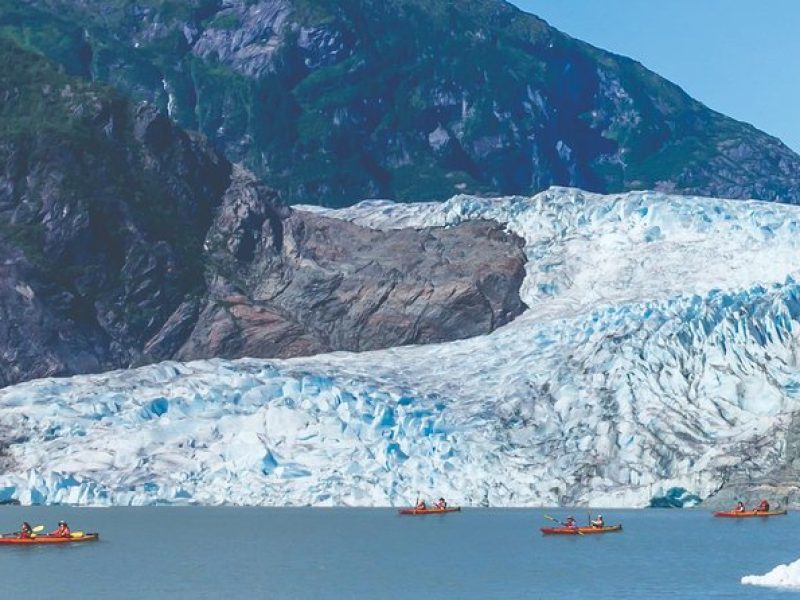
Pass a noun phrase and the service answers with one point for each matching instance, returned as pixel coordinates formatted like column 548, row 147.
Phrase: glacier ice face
column 659, row 351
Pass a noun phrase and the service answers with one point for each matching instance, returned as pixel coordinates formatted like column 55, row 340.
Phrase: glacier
column 659, row 352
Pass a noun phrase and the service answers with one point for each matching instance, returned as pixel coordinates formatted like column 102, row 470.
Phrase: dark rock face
column 334, row 101
column 103, row 211
column 35, row 339
column 296, row 283
column 124, row 240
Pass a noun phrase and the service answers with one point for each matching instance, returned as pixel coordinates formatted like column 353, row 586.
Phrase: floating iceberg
column 782, row 576
column 659, row 352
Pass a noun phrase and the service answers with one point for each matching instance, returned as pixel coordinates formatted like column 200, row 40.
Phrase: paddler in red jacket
column 763, row 507
column 62, row 530
column 25, row 531
column 571, row 523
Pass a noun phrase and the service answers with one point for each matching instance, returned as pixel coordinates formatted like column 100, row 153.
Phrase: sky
column 739, row 57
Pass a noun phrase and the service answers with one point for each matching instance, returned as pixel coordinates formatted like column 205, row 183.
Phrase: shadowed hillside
column 334, row 101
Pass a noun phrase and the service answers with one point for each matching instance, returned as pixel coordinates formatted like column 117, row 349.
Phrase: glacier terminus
column 658, row 352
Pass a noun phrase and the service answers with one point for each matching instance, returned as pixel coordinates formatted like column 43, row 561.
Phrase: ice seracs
column 659, row 348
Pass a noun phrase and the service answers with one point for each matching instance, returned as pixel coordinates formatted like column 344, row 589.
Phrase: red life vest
column 62, row 531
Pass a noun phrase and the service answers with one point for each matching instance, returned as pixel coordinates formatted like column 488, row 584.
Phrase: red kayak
column 48, row 539
column 579, row 530
column 732, row 514
column 429, row 511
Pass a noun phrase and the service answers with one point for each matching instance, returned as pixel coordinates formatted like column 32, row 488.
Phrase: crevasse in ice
column 660, row 345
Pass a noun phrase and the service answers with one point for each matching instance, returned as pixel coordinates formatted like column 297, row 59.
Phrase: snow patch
column 438, row 138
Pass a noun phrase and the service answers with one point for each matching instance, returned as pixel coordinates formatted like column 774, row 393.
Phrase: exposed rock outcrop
column 291, row 283
column 103, row 211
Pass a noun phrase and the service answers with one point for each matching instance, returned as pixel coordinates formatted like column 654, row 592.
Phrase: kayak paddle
column 36, row 529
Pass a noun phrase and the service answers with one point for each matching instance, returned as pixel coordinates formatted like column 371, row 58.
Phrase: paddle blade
column 37, row 529
column 549, row 518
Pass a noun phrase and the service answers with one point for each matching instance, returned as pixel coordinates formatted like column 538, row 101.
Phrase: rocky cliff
column 335, row 101
column 124, row 239
column 303, row 284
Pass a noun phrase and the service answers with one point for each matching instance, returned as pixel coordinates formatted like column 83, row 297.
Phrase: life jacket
column 61, row 531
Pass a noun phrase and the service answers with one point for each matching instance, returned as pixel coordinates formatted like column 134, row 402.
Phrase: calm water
column 374, row 553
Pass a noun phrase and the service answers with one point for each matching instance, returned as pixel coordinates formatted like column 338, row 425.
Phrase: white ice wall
column 659, row 348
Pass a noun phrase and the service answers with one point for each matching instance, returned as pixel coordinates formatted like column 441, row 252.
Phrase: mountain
column 331, row 102
column 657, row 363
column 124, row 239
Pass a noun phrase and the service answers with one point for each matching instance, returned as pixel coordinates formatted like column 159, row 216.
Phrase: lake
column 233, row 552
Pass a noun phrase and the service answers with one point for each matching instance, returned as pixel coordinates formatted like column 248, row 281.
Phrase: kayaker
column 598, row 523
column 570, row 523
column 62, row 530
column 739, row 506
column 764, row 506
column 421, row 505
column 441, row 504
column 26, row 530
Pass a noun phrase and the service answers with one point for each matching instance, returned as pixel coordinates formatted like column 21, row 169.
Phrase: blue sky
column 739, row 57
